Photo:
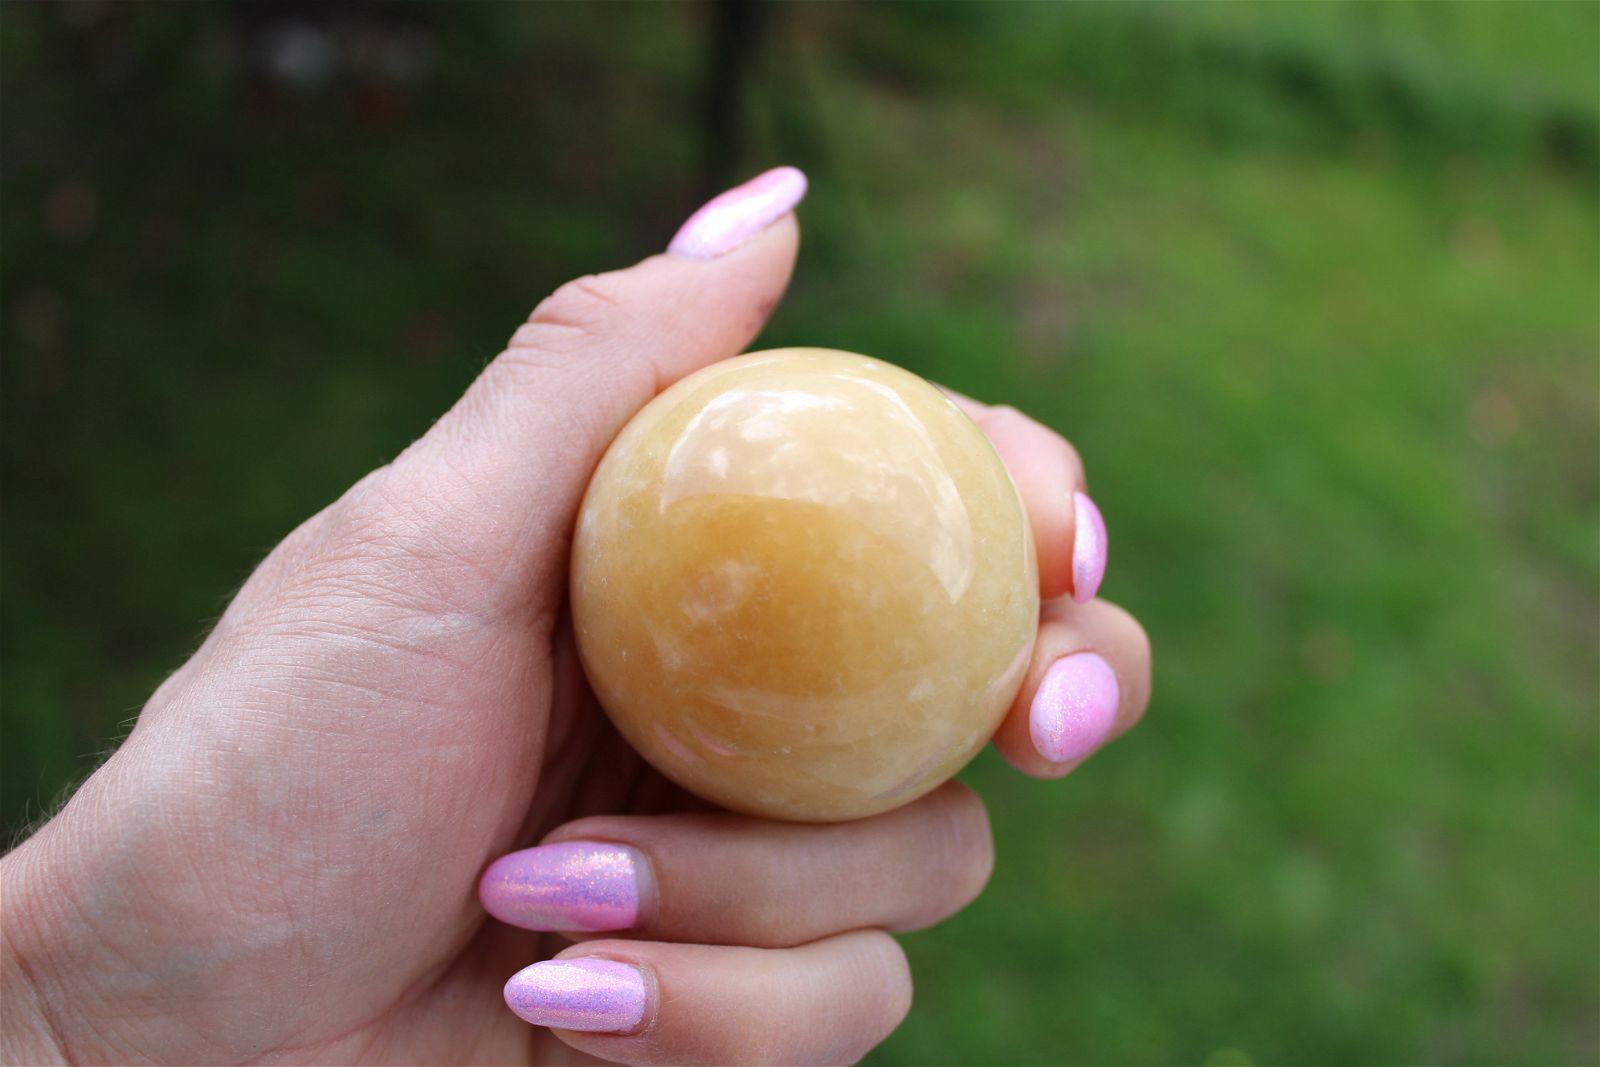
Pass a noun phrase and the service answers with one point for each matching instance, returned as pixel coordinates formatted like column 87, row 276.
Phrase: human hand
column 279, row 863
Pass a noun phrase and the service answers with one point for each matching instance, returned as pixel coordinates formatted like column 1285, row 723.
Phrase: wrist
column 62, row 951
column 105, row 955
column 30, row 1034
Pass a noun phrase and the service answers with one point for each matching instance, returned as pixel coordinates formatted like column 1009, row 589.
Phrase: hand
column 279, row 863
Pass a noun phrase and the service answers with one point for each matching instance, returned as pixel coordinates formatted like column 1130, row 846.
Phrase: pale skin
column 279, row 864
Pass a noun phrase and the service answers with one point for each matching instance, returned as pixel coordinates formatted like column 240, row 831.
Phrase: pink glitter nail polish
column 1075, row 707
column 1088, row 548
column 728, row 219
column 590, row 994
column 572, row 885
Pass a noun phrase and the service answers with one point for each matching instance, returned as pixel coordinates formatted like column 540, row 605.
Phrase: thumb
column 496, row 483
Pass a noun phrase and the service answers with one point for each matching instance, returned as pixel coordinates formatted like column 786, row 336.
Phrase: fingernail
column 1075, row 707
column 728, row 219
column 1088, row 548
column 572, row 885
column 592, row 994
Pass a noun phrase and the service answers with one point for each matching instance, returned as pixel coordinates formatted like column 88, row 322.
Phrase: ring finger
column 1088, row 682
column 647, row 1002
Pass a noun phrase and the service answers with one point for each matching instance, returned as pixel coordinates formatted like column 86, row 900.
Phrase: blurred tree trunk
column 737, row 28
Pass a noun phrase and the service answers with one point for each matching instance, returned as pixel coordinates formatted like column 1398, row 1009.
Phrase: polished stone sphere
column 803, row 585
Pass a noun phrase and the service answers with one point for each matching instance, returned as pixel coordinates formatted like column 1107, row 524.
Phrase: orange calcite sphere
column 803, row 585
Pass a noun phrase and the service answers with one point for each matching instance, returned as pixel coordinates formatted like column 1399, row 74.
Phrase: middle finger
column 733, row 880
column 1068, row 532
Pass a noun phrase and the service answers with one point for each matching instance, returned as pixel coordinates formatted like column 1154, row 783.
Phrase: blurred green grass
column 1312, row 287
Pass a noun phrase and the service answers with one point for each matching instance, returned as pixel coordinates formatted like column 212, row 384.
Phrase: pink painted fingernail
column 728, row 219
column 1088, row 548
column 571, row 885
column 592, row 994
column 1075, row 707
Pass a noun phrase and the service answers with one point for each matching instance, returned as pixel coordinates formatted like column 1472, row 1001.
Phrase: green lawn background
column 1313, row 288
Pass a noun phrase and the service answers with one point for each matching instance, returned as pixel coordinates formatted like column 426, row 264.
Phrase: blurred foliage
column 1312, row 287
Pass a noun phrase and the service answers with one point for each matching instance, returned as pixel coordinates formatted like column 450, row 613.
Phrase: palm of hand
column 283, row 853
column 440, row 732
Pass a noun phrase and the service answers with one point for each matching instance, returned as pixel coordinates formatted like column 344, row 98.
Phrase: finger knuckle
column 889, row 1008
column 1004, row 417
column 980, row 866
column 1005, row 421
column 1075, row 463
column 582, row 304
column 1133, row 657
column 952, row 851
column 1131, row 632
column 1145, row 653
column 870, row 996
column 970, row 845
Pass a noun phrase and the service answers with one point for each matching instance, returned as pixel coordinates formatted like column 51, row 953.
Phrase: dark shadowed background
column 1313, row 289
